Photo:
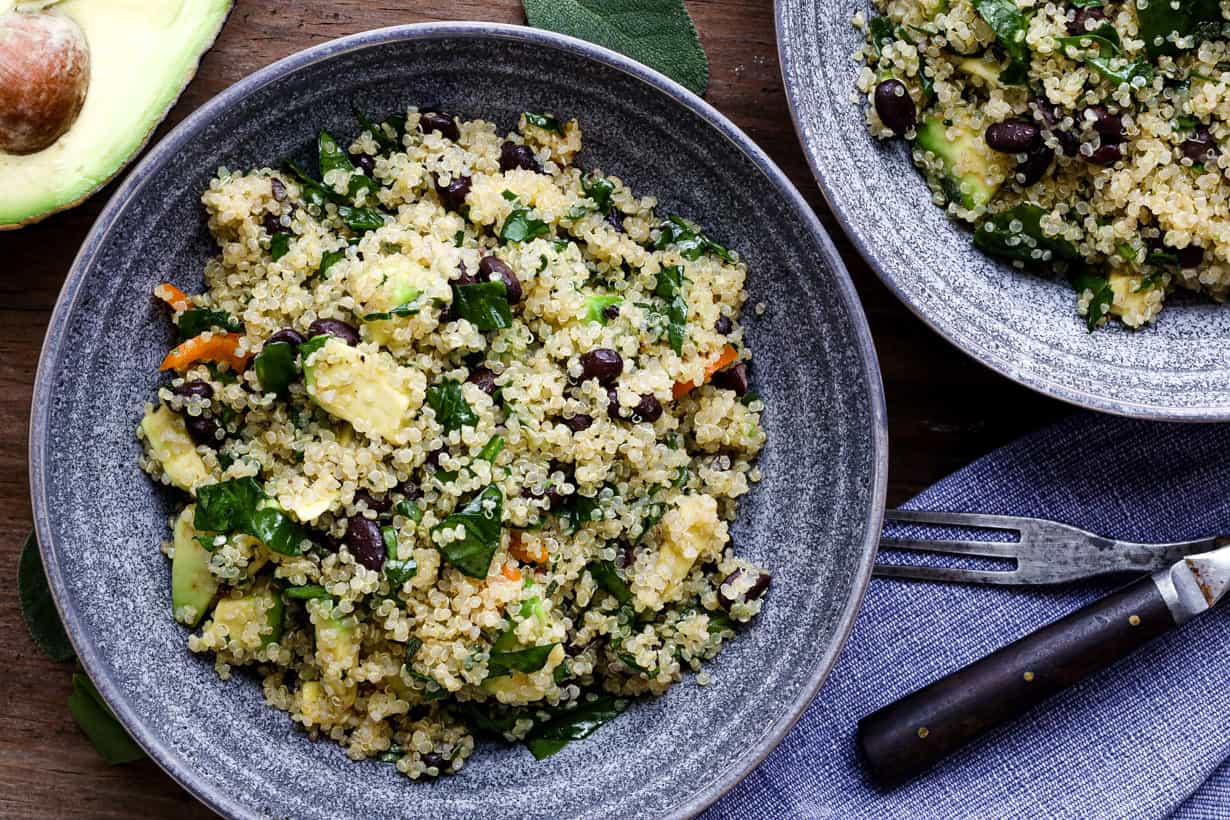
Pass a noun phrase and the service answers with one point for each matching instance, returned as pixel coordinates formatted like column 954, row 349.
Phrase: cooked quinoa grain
column 453, row 462
column 1087, row 139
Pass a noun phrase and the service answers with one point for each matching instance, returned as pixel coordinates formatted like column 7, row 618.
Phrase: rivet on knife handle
column 908, row 737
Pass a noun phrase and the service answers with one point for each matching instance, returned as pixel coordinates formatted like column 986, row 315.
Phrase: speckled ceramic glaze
column 813, row 520
column 1024, row 326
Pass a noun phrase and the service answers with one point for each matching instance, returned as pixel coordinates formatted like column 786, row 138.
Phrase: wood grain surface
column 944, row 410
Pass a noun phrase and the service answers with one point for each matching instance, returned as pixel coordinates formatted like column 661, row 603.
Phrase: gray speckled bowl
column 813, row 520
column 1023, row 326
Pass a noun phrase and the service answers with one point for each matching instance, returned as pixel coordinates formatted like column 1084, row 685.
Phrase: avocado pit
column 44, row 76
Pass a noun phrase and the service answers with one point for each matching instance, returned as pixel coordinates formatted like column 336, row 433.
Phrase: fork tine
column 953, row 519
column 984, row 549
column 948, row 575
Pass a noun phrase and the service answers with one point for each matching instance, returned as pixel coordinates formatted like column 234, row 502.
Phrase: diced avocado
column 313, row 501
column 934, row 8
column 982, row 70
column 193, row 586
column 395, row 287
column 970, row 175
column 170, row 443
column 371, row 391
column 1131, row 298
column 515, row 686
column 261, row 606
column 337, row 644
column 141, row 56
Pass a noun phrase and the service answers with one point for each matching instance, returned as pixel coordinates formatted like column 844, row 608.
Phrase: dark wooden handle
column 908, row 737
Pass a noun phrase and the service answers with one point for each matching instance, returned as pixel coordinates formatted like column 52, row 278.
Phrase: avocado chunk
column 980, row 69
column 971, row 172
column 193, row 586
column 392, row 290
column 369, row 390
column 141, row 56
column 169, row 442
column 261, row 606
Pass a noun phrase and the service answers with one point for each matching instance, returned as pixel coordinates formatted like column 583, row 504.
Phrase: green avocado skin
column 141, row 59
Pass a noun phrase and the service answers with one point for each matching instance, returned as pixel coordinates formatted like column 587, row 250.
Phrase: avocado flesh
column 193, row 586
column 170, row 443
column 366, row 390
column 262, row 605
column 969, row 167
column 142, row 55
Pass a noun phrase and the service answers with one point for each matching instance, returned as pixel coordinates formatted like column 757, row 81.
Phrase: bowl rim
column 96, row 666
column 1002, row 363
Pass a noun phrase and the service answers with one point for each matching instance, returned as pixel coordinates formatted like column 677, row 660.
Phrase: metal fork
column 1047, row 553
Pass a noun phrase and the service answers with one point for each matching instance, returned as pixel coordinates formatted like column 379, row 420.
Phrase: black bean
column 272, row 224
column 610, row 312
column 464, row 277
column 896, row 109
column 602, row 364
column 613, row 410
column 513, row 155
column 454, row 194
column 196, row 387
column 1189, row 257
column 410, row 490
column 1035, row 165
column 203, row 429
column 326, row 541
column 278, row 189
column 377, row 504
column 483, row 378
column 433, row 458
column 615, row 218
column 1077, row 25
column 367, row 162
column 436, row 761
column 1108, row 126
column 648, row 409
column 334, row 327
column 1013, row 137
column 1045, row 112
column 625, row 554
column 365, row 541
column 1200, row 147
column 442, row 124
column 291, row 336
column 732, row 378
column 724, row 325
column 491, row 269
column 579, row 422
column 1106, row 155
column 757, row 588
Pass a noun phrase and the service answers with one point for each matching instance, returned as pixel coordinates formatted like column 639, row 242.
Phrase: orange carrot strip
column 210, row 346
column 173, row 296
column 511, row 573
column 522, row 552
column 727, row 356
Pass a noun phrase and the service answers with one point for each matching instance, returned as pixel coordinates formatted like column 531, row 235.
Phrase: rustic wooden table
column 944, row 410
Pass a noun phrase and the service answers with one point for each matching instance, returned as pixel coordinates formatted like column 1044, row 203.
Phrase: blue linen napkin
column 1148, row 738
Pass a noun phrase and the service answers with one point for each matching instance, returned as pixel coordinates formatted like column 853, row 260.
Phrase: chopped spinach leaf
column 691, row 243
column 410, row 510
column 577, row 511
column 481, row 520
column 240, row 505
column 360, row 220
column 566, row 725
column 305, row 593
column 1103, row 296
column 1010, row 25
column 606, row 577
column 279, row 246
column 670, row 288
column 508, row 195
column 449, row 402
column 1102, row 50
column 413, row 645
column 386, row 143
column 521, row 227
column 392, row 755
column 195, row 321
column 520, row 660
column 399, row 571
column 599, row 189
column 275, row 367
column 327, row 260
column 544, row 121
column 1163, row 24
column 483, row 304
column 410, row 307
column 596, row 305
column 313, row 192
column 1017, row 234
column 882, row 32
column 720, row 622
column 331, row 156
column 492, row 449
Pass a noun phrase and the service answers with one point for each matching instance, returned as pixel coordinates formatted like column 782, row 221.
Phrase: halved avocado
column 970, row 173
column 142, row 54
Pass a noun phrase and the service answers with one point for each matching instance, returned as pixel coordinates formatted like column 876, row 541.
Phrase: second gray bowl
column 814, row 519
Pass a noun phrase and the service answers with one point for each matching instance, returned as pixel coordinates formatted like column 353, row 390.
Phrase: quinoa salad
column 457, row 429
column 1085, row 138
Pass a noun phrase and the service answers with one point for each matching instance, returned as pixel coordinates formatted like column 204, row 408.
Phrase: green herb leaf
column 691, row 243
column 279, row 245
column 410, row 307
column 327, row 260
column 1102, row 50
column 720, row 622
column 1162, row 23
column 195, row 321
column 481, row 519
column 544, row 121
column 1010, row 26
column 492, row 449
column 547, row 738
column 332, row 157
column 596, row 305
column 658, row 33
column 360, row 220
column 99, row 724
column 37, row 607
column 1017, row 234
column 577, row 511
column 605, row 576
column 1103, row 296
column 305, row 593
column 483, row 304
column 275, row 367
column 399, row 572
column 395, row 123
column 670, row 288
column 521, row 227
column 410, row 510
column 599, row 189
column 240, row 505
column 881, row 32
column 520, row 660
column 452, row 410
column 313, row 192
